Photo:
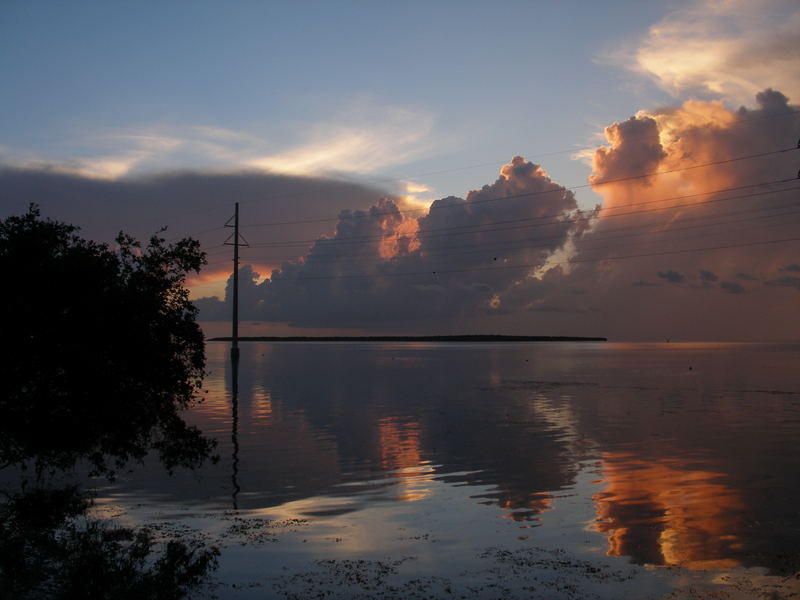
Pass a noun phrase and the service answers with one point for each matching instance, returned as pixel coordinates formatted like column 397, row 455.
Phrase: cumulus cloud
column 635, row 149
column 662, row 256
column 382, row 268
column 687, row 216
column 659, row 258
column 728, row 49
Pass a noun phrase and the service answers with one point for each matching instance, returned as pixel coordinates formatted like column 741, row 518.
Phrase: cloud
column 793, row 268
column 732, row 287
column 728, row 49
column 785, row 282
column 746, row 276
column 189, row 203
column 692, row 216
column 361, row 139
column 382, row 268
column 359, row 143
column 635, row 149
column 671, row 276
column 509, row 256
column 707, row 275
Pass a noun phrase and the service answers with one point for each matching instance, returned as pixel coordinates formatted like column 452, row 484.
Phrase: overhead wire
column 363, row 214
column 509, row 245
column 222, row 205
column 604, row 237
column 532, row 265
column 439, row 269
column 556, row 219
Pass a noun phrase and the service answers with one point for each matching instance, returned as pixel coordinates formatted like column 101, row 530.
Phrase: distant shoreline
column 416, row 338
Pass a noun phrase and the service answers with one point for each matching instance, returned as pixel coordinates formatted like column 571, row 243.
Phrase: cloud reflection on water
column 694, row 465
column 667, row 514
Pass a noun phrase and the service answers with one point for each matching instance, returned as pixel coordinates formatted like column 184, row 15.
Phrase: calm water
column 492, row 471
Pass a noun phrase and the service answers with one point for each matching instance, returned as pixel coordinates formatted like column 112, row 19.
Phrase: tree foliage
column 100, row 348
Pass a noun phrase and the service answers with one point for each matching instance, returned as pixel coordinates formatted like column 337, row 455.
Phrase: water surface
column 493, row 470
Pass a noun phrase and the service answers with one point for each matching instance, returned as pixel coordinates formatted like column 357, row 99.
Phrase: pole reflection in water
column 235, row 427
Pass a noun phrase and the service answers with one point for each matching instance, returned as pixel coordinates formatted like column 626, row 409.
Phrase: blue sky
column 469, row 82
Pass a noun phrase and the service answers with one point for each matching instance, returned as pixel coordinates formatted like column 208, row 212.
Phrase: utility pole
column 235, row 316
column 235, row 350
column 235, row 326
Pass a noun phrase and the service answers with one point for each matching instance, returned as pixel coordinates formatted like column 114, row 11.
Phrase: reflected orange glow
column 401, row 454
column 523, row 507
column 664, row 513
column 261, row 408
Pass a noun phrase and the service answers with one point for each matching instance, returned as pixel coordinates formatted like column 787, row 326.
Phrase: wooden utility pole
column 235, row 275
column 235, row 325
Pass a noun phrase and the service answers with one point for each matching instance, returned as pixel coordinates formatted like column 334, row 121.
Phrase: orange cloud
column 724, row 48
column 212, row 281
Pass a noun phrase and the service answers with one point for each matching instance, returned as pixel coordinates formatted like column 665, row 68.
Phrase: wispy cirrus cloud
column 726, row 49
column 362, row 139
column 358, row 142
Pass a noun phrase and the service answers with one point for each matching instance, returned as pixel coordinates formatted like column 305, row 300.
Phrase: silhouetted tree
column 100, row 351
column 100, row 348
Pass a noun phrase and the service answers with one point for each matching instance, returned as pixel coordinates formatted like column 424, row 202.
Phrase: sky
column 618, row 169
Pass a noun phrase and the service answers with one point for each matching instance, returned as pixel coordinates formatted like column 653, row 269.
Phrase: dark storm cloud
column 186, row 202
column 793, row 268
column 773, row 101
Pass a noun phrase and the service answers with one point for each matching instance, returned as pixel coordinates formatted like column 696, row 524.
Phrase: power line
column 554, row 219
column 510, row 245
column 738, row 122
column 500, row 248
column 532, row 265
column 521, row 195
column 795, row 211
column 221, row 205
